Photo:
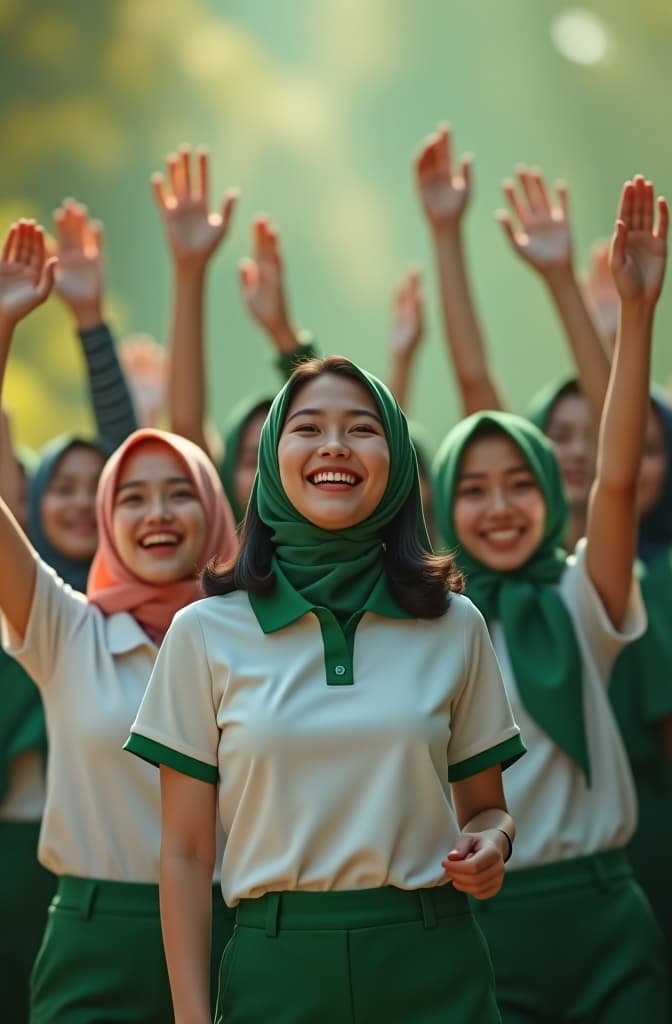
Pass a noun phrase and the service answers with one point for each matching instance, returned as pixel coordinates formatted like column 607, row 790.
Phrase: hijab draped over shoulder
column 539, row 634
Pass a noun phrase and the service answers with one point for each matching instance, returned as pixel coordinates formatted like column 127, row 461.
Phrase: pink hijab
column 113, row 587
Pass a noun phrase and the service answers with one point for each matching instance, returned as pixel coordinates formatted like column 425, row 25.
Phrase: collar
column 124, row 634
column 284, row 605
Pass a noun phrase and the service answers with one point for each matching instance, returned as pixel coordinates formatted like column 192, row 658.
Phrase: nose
column 157, row 508
column 499, row 501
column 334, row 444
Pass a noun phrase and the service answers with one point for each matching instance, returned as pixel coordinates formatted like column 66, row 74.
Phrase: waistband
column 358, row 908
column 599, row 870
column 91, row 896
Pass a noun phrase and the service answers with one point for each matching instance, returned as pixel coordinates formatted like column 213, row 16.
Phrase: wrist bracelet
column 510, row 842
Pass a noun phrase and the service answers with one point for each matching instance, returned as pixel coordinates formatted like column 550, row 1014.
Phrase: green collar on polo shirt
column 284, row 605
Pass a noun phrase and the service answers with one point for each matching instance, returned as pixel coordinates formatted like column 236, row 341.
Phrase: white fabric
column 557, row 816
column 102, row 817
column 328, row 787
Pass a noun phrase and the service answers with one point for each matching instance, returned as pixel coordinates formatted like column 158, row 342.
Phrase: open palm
column 25, row 277
column 639, row 250
column 444, row 195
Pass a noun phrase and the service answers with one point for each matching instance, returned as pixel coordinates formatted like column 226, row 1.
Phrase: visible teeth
column 334, row 478
column 158, row 538
column 503, row 534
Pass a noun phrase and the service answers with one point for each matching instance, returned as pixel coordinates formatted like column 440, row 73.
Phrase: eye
column 470, row 491
column 183, row 494
column 523, row 483
column 304, row 428
column 363, row 428
column 129, row 498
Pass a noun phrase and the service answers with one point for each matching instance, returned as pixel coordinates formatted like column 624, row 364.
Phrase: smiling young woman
column 348, row 708
column 91, row 656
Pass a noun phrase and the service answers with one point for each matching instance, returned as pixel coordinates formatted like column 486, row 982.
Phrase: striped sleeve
column 110, row 396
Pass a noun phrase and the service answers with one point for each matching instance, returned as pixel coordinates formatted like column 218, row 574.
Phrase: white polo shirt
column 102, row 817
column 333, row 769
column 557, row 815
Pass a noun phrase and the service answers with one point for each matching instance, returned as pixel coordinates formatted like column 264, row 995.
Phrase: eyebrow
column 510, row 470
column 143, row 483
column 348, row 412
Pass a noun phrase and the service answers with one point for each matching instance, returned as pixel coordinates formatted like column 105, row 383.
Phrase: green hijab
column 542, row 403
column 539, row 633
column 232, row 433
column 336, row 569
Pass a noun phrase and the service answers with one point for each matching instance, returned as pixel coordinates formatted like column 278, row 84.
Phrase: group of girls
column 332, row 720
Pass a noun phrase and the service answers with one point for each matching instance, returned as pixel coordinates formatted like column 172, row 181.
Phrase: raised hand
column 600, row 290
column 444, row 191
column 26, row 273
column 194, row 233
column 407, row 316
column 639, row 249
column 79, row 274
column 145, row 365
column 262, row 282
column 539, row 230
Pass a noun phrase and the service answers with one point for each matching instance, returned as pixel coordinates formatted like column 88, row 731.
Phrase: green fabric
column 158, row 753
column 102, row 956
column 326, row 959
column 575, row 950
column 540, row 405
column 25, row 891
column 539, row 634
column 287, row 362
column 641, row 681
column 232, row 432
column 22, row 725
column 504, row 754
column 334, row 569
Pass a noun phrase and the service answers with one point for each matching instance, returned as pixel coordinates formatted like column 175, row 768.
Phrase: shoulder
column 226, row 612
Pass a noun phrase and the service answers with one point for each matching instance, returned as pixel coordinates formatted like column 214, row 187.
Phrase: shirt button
column 340, row 670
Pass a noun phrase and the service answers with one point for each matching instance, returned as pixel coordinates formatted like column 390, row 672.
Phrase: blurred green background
column 315, row 109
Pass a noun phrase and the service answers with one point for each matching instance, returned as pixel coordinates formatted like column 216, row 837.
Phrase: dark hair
column 420, row 582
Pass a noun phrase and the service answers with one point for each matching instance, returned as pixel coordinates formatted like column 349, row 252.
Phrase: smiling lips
column 503, row 539
column 330, row 479
column 158, row 542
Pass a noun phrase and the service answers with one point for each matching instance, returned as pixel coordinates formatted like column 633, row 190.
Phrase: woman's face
column 570, row 430
column 653, row 467
column 68, row 506
column 248, row 457
column 333, row 455
column 158, row 522
column 498, row 512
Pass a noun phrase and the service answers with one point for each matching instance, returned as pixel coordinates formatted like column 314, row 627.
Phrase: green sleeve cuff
column 287, row 362
column 505, row 753
column 158, row 753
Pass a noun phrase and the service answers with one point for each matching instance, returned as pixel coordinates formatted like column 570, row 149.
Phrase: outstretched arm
column 444, row 196
column 638, row 259
column 262, row 286
column 539, row 231
column 79, row 283
column 26, row 278
column 193, row 235
column 406, row 334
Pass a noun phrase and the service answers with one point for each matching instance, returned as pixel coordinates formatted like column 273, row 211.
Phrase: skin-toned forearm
column 400, row 379
column 186, row 913
column 623, row 424
column 466, row 346
column 497, row 821
column 186, row 375
column 586, row 345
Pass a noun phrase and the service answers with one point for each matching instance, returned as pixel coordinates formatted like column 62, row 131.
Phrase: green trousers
column 25, row 891
column 102, row 960
column 364, row 957
column 575, row 943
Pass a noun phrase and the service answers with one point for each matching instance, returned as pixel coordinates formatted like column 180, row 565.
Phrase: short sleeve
column 176, row 724
column 483, row 730
column 598, row 638
column 57, row 613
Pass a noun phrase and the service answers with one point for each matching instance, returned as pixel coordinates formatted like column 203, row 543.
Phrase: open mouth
column 153, row 541
column 334, row 477
column 503, row 539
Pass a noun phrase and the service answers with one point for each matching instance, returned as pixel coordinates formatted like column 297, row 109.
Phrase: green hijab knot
column 539, row 633
column 336, row 569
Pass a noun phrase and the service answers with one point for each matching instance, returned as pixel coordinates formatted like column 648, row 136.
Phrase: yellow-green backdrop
column 315, row 108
